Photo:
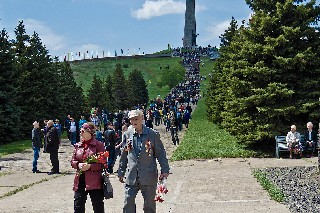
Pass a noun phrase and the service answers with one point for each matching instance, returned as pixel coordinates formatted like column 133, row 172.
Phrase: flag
column 121, row 51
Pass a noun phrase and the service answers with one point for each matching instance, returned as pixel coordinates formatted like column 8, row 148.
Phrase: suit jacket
column 314, row 136
column 143, row 165
column 52, row 139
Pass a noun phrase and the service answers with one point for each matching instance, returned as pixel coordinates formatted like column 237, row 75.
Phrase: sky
column 104, row 27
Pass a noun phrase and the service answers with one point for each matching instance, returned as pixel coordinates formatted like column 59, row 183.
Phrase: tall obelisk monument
column 190, row 33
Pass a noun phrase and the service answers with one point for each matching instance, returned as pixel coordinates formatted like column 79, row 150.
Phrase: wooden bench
column 281, row 145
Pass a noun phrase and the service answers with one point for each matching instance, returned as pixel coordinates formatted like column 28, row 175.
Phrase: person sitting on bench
column 293, row 141
column 311, row 138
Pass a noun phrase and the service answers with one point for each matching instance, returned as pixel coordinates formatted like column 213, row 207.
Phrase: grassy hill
column 203, row 140
column 150, row 67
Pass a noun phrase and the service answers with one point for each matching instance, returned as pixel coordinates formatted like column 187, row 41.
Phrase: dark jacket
column 314, row 136
column 110, row 138
column 93, row 176
column 52, row 139
column 36, row 138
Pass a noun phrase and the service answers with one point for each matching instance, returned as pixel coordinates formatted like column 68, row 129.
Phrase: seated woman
column 293, row 141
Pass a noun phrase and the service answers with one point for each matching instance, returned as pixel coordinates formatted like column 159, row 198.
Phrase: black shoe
column 36, row 171
column 53, row 173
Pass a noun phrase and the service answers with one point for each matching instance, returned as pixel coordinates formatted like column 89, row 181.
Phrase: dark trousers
column 80, row 198
column 54, row 161
column 111, row 159
column 174, row 135
column 313, row 145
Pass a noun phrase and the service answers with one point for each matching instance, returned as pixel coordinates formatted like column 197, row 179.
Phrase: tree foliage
column 9, row 110
column 73, row 99
column 172, row 76
column 138, row 93
column 268, row 75
column 95, row 96
column 33, row 87
column 120, row 89
column 108, row 95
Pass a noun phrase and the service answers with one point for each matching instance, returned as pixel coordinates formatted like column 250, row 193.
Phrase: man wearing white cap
column 142, row 147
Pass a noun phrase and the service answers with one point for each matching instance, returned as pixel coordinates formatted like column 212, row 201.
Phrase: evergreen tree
column 138, row 92
column 20, row 44
column 270, row 71
column 216, row 94
column 95, row 94
column 228, row 35
column 38, row 89
column 107, row 94
column 20, row 48
column 9, row 111
column 119, row 89
column 73, row 100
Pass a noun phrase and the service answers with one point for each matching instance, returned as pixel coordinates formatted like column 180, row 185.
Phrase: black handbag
column 106, row 184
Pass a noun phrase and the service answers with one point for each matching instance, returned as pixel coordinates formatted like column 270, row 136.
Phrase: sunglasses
column 82, row 131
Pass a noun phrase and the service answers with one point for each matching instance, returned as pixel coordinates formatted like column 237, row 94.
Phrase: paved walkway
column 204, row 186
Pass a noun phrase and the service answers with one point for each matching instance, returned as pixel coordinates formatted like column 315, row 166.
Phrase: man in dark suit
column 110, row 143
column 142, row 147
column 52, row 147
column 311, row 137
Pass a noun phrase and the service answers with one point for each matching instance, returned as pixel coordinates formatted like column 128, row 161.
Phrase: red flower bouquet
column 161, row 190
column 101, row 157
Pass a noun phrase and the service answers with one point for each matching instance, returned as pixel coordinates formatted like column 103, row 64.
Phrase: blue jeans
column 35, row 159
column 73, row 138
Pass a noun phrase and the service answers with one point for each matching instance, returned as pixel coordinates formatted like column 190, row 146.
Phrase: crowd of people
column 129, row 135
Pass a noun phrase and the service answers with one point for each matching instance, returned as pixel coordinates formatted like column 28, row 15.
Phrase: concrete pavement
column 217, row 185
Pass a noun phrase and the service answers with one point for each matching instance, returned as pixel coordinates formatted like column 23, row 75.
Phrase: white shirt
column 73, row 127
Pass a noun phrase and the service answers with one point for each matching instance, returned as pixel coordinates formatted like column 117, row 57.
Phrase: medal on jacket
column 128, row 147
column 148, row 147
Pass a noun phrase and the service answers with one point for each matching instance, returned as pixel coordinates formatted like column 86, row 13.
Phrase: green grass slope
column 150, row 67
column 205, row 140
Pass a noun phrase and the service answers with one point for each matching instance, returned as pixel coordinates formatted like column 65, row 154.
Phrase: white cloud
column 52, row 40
column 153, row 8
column 159, row 8
column 214, row 31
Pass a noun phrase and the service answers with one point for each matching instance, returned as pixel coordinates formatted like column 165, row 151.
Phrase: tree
column 38, row 89
column 216, row 94
column 71, row 94
column 229, row 34
column 269, row 72
column 119, row 89
column 9, row 111
column 95, row 94
column 138, row 92
column 172, row 76
column 107, row 94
